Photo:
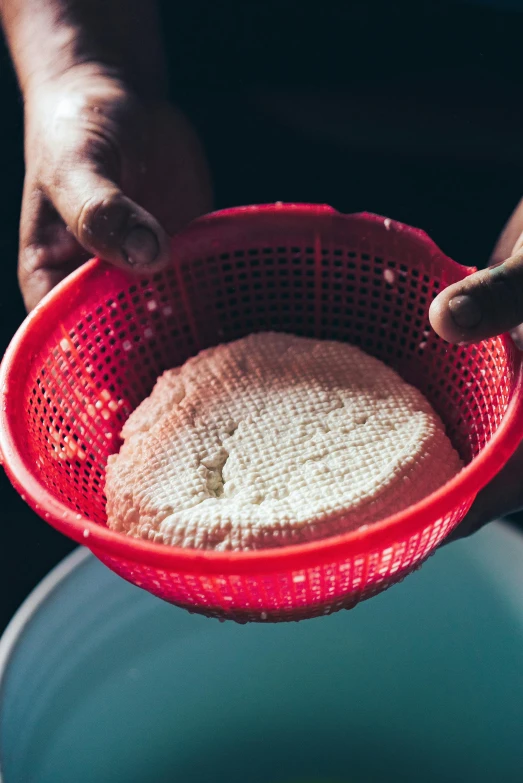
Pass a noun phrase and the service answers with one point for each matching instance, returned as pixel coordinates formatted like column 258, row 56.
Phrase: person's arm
column 50, row 37
column 111, row 168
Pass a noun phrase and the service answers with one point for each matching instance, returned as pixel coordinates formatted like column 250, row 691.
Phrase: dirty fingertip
column 141, row 247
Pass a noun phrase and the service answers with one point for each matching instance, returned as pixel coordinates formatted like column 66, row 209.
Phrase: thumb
column 107, row 223
column 483, row 305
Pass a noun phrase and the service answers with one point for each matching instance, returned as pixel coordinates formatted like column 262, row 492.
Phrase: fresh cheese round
column 274, row 440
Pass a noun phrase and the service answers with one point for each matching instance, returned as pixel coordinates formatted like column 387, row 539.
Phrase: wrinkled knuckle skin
column 31, row 258
column 101, row 150
column 65, row 156
column 55, row 170
column 92, row 213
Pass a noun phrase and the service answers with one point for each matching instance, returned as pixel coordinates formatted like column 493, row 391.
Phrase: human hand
column 107, row 174
column 483, row 305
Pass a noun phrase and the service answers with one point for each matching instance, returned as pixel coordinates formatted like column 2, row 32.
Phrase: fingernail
column 465, row 311
column 497, row 268
column 140, row 247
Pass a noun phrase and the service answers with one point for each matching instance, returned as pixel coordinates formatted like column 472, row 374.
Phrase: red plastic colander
column 92, row 350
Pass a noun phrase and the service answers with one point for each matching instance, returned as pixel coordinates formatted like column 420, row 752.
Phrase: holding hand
column 484, row 305
column 489, row 302
column 112, row 169
column 106, row 174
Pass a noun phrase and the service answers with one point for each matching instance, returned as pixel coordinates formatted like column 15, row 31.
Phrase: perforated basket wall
column 94, row 349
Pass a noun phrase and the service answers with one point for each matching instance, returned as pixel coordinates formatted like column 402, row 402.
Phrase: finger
column 517, row 336
column 511, row 239
column 509, row 244
column 503, row 496
column 48, row 252
column 108, row 223
column 485, row 509
column 483, row 305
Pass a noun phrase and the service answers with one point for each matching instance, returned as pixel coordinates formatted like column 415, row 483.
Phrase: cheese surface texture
column 274, row 440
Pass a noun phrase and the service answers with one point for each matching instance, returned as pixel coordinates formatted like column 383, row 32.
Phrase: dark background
column 411, row 112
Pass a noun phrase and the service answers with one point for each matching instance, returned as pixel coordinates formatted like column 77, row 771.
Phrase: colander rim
column 376, row 537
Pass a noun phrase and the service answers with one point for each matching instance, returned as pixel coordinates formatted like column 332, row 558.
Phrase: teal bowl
column 102, row 683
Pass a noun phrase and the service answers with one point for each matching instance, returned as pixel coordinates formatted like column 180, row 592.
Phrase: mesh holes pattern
column 98, row 369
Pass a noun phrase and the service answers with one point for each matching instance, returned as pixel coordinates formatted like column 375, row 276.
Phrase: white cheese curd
column 274, row 440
